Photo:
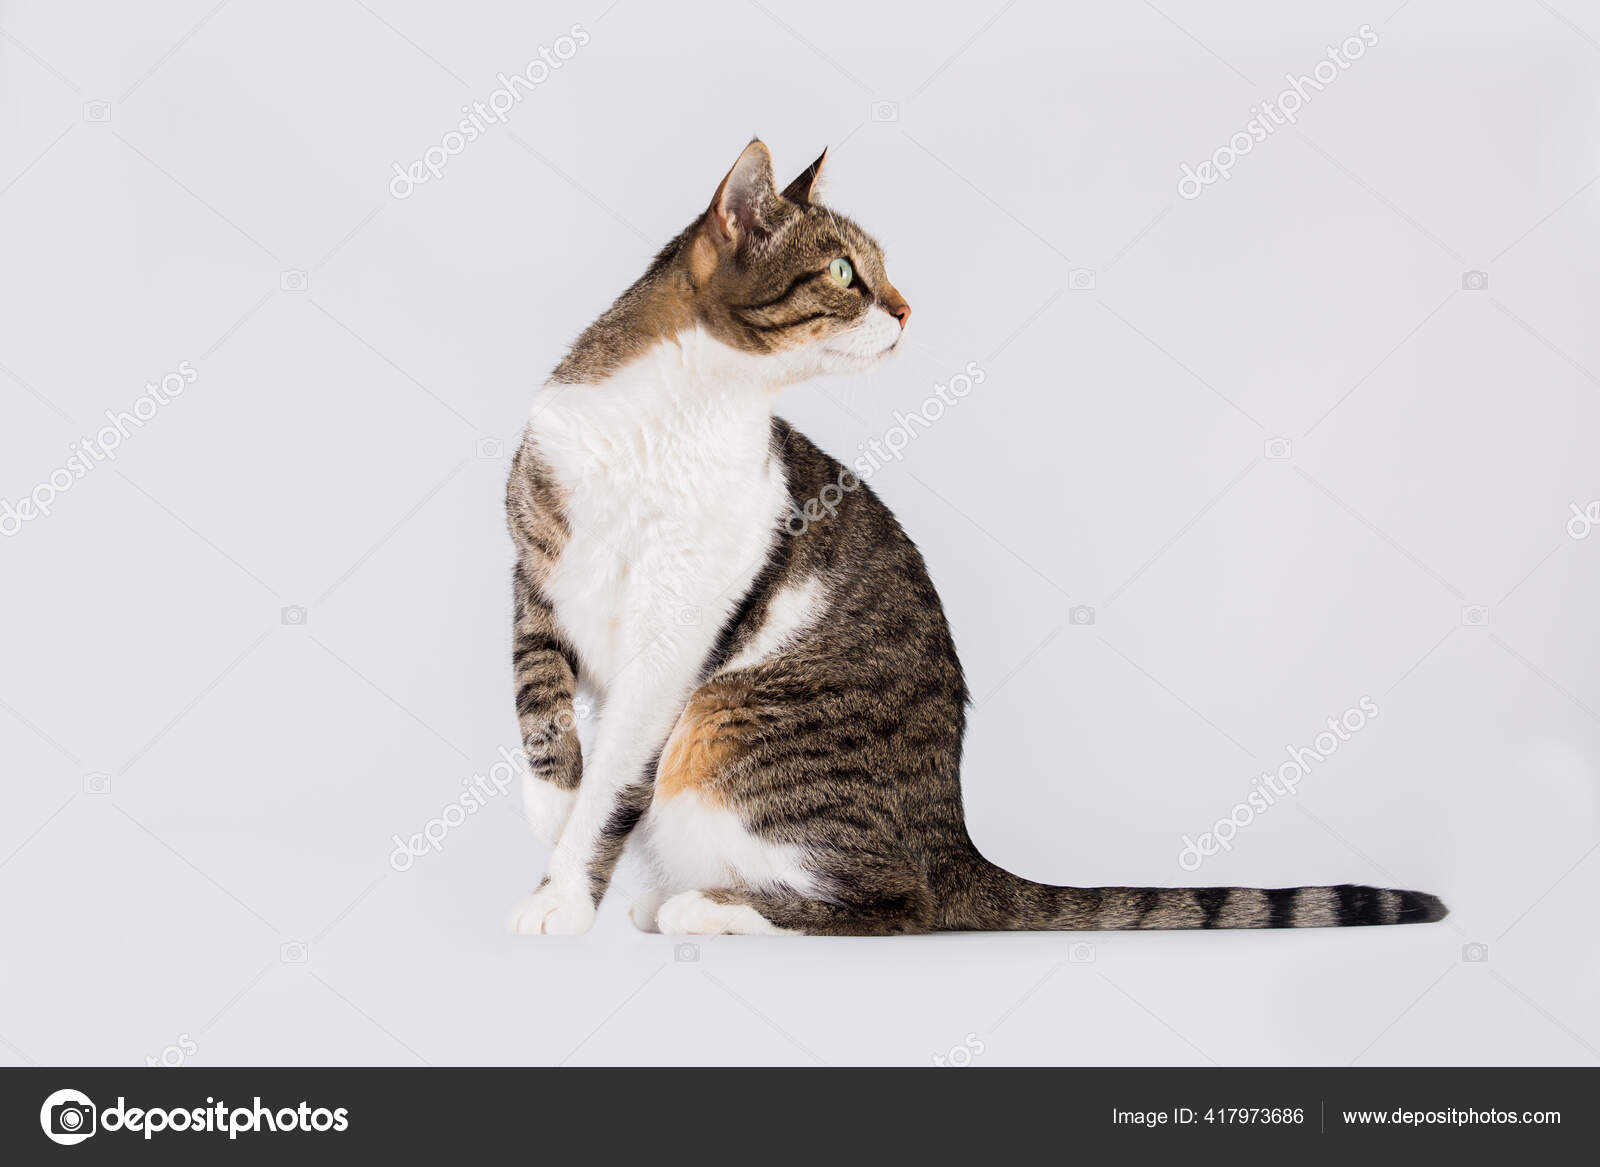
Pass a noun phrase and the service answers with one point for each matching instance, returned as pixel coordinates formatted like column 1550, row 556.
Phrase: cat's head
column 777, row 273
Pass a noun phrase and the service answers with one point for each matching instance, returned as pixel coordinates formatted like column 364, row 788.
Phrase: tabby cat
column 780, row 704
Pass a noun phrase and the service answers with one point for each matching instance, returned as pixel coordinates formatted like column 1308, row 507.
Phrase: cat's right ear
column 739, row 210
column 804, row 187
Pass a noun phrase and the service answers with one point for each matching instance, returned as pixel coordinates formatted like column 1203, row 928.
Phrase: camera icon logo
column 686, row 953
column 1584, row 519
column 885, row 111
column 1081, row 279
column 490, row 449
column 292, row 952
column 1081, row 953
column 1474, row 281
column 1080, row 614
column 1475, row 616
column 97, row 111
column 1475, row 953
column 97, row 783
column 294, row 280
column 686, row 615
column 294, row 614
column 1278, row 449
column 68, row 1117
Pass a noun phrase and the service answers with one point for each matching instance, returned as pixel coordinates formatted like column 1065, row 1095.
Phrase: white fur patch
column 644, row 909
column 547, row 806
column 865, row 345
column 692, row 844
column 793, row 610
column 673, row 498
column 692, row 913
column 549, row 912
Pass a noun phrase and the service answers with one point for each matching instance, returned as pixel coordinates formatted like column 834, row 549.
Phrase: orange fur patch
column 700, row 745
column 702, row 258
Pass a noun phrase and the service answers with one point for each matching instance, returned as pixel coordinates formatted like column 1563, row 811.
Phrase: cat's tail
column 991, row 899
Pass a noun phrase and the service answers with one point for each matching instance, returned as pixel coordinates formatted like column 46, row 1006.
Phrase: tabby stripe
column 784, row 295
column 626, row 812
column 549, row 548
column 1211, row 901
column 1359, row 905
column 530, row 643
column 534, row 697
column 784, row 324
column 534, row 601
column 1280, row 906
column 545, row 659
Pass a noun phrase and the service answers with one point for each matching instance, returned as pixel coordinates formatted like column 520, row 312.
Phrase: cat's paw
column 547, row 806
column 548, row 912
column 643, row 912
column 693, row 913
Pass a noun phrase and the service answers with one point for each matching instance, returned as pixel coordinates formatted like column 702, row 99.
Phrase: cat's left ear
column 740, row 209
column 802, row 188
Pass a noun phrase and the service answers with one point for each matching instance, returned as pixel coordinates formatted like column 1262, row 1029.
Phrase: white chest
column 672, row 500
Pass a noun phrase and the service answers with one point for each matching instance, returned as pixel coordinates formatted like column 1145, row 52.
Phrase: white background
column 337, row 452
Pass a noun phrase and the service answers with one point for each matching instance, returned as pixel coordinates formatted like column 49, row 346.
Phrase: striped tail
column 994, row 900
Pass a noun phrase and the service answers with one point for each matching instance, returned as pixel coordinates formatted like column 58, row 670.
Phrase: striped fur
column 789, row 754
column 544, row 665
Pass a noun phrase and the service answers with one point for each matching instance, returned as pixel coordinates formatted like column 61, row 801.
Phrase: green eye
column 841, row 270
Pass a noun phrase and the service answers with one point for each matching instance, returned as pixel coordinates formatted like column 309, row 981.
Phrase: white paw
column 643, row 912
column 547, row 806
column 549, row 913
column 693, row 913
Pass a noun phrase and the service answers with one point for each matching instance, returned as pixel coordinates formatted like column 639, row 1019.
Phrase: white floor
column 1236, row 463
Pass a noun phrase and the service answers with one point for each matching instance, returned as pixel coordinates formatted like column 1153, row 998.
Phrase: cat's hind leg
column 698, row 913
column 645, row 909
column 742, row 912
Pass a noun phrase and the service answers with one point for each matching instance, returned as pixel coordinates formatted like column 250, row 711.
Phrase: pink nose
column 895, row 304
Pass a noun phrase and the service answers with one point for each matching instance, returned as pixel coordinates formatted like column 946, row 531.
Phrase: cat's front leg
column 546, row 680
column 614, row 795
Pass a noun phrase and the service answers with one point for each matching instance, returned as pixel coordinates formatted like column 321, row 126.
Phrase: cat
column 781, row 707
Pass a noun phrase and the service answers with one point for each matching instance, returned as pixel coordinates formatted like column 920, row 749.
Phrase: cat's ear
column 739, row 210
column 802, row 188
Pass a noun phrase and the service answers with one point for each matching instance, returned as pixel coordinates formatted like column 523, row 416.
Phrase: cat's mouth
column 869, row 343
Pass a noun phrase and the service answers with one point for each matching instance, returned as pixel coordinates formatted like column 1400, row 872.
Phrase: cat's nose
column 895, row 304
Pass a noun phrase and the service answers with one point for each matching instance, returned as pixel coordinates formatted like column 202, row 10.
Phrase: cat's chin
column 824, row 359
column 852, row 362
column 854, row 356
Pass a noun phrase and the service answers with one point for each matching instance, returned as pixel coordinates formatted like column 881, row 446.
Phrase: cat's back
column 885, row 615
column 838, row 522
